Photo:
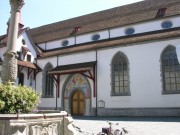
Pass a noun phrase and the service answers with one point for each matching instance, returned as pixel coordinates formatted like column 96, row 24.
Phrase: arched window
column 21, row 79
column 120, row 75
column 48, row 83
column 170, row 71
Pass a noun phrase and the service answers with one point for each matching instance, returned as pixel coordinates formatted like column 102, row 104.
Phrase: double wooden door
column 77, row 103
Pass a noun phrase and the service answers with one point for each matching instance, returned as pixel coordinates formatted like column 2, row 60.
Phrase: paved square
column 134, row 125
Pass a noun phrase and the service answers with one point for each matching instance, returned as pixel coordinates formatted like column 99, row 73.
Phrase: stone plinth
column 36, row 124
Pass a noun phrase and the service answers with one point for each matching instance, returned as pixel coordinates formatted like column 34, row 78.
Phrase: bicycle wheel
column 117, row 132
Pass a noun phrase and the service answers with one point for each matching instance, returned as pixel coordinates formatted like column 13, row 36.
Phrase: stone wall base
column 138, row 111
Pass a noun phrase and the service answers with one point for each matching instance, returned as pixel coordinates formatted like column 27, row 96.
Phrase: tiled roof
column 4, row 38
column 25, row 48
column 119, row 16
column 121, row 41
column 28, row 64
column 67, row 69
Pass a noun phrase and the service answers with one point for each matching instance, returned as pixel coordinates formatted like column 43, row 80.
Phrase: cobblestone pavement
column 134, row 125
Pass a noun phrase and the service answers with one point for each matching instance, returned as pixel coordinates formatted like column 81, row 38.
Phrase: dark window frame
column 23, row 42
column 19, row 55
column 96, row 37
column 120, row 75
column 170, row 71
column 65, row 43
column 167, row 24
column 48, row 84
column 21, row 79
column 129, row 31
column 28, row 57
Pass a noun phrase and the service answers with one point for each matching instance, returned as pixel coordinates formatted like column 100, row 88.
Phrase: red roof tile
column 119, row 16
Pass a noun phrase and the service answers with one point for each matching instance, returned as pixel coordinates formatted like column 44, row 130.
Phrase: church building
column 118, row 62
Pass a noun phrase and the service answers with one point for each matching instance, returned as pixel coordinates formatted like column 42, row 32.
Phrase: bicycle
column 112, row 131
column 105, row 131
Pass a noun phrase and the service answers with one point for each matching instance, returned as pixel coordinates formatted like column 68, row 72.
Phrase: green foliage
column 14, row 98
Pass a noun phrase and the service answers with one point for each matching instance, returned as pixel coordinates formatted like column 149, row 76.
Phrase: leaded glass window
column 170, row 71
column 48, row 83
column 166, row 24
column 120, row 80
column 95, row 37
column 129, row 31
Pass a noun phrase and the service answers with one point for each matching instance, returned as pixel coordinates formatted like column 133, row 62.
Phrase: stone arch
column 121, row 54
column 72, row 84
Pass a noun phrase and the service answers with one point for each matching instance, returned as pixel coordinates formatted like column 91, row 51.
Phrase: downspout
column 35, row 77
column 57, row 85
column 96, row 85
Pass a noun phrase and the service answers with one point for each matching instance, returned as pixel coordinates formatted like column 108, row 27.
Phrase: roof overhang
column 119, row 41
column 28, row 65
column 72, row 68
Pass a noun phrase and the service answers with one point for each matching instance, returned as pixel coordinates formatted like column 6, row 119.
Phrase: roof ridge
column 115, row 10
column 118, row 16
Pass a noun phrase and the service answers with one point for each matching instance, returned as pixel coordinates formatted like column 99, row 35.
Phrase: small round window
column 129, row 31
column 166, row 24
column 95, row 37
column 23, row 42
column 65, row 43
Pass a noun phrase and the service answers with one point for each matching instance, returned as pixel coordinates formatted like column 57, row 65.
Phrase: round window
column 65, row 43
column 129, row 31
column 96, row 37
column 166, row 24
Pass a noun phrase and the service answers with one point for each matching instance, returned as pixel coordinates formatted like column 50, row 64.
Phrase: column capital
column 16, row 4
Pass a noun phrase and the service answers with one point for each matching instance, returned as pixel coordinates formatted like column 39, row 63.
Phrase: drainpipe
column 34, row 75
column 57, row 83
column 96, row 86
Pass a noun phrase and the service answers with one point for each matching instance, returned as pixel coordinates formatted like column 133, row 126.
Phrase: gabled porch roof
column 72, row 68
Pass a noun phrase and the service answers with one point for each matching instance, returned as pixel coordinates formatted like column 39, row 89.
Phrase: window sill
column 47, row 97
column 170, row 92
column 122, row 94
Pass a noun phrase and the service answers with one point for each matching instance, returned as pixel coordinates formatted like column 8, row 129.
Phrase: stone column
column 9, row 66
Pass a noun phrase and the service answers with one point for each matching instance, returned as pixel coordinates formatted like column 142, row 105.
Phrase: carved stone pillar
column 9, row 66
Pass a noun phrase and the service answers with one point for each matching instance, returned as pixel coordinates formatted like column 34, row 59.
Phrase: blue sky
column 41, row 12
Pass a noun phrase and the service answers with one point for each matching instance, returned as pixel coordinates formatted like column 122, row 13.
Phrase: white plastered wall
column 145, row 77
column 45, row 102
column 144, row 72
column 63, row 60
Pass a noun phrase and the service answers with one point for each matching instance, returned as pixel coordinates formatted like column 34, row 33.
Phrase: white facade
column 79, row 75
column 144, row 73
column 28, row 81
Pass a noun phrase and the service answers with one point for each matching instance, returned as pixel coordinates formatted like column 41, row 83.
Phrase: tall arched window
column 48, row 83
column 170, row 70
column 120, row 75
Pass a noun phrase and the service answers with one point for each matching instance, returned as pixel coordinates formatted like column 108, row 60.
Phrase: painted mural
column 77, row 82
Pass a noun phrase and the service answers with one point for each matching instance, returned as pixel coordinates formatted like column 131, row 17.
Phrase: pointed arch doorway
column 77, row 103
column 76, row 98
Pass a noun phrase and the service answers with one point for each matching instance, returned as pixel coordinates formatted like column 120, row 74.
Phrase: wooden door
column 77, row 103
